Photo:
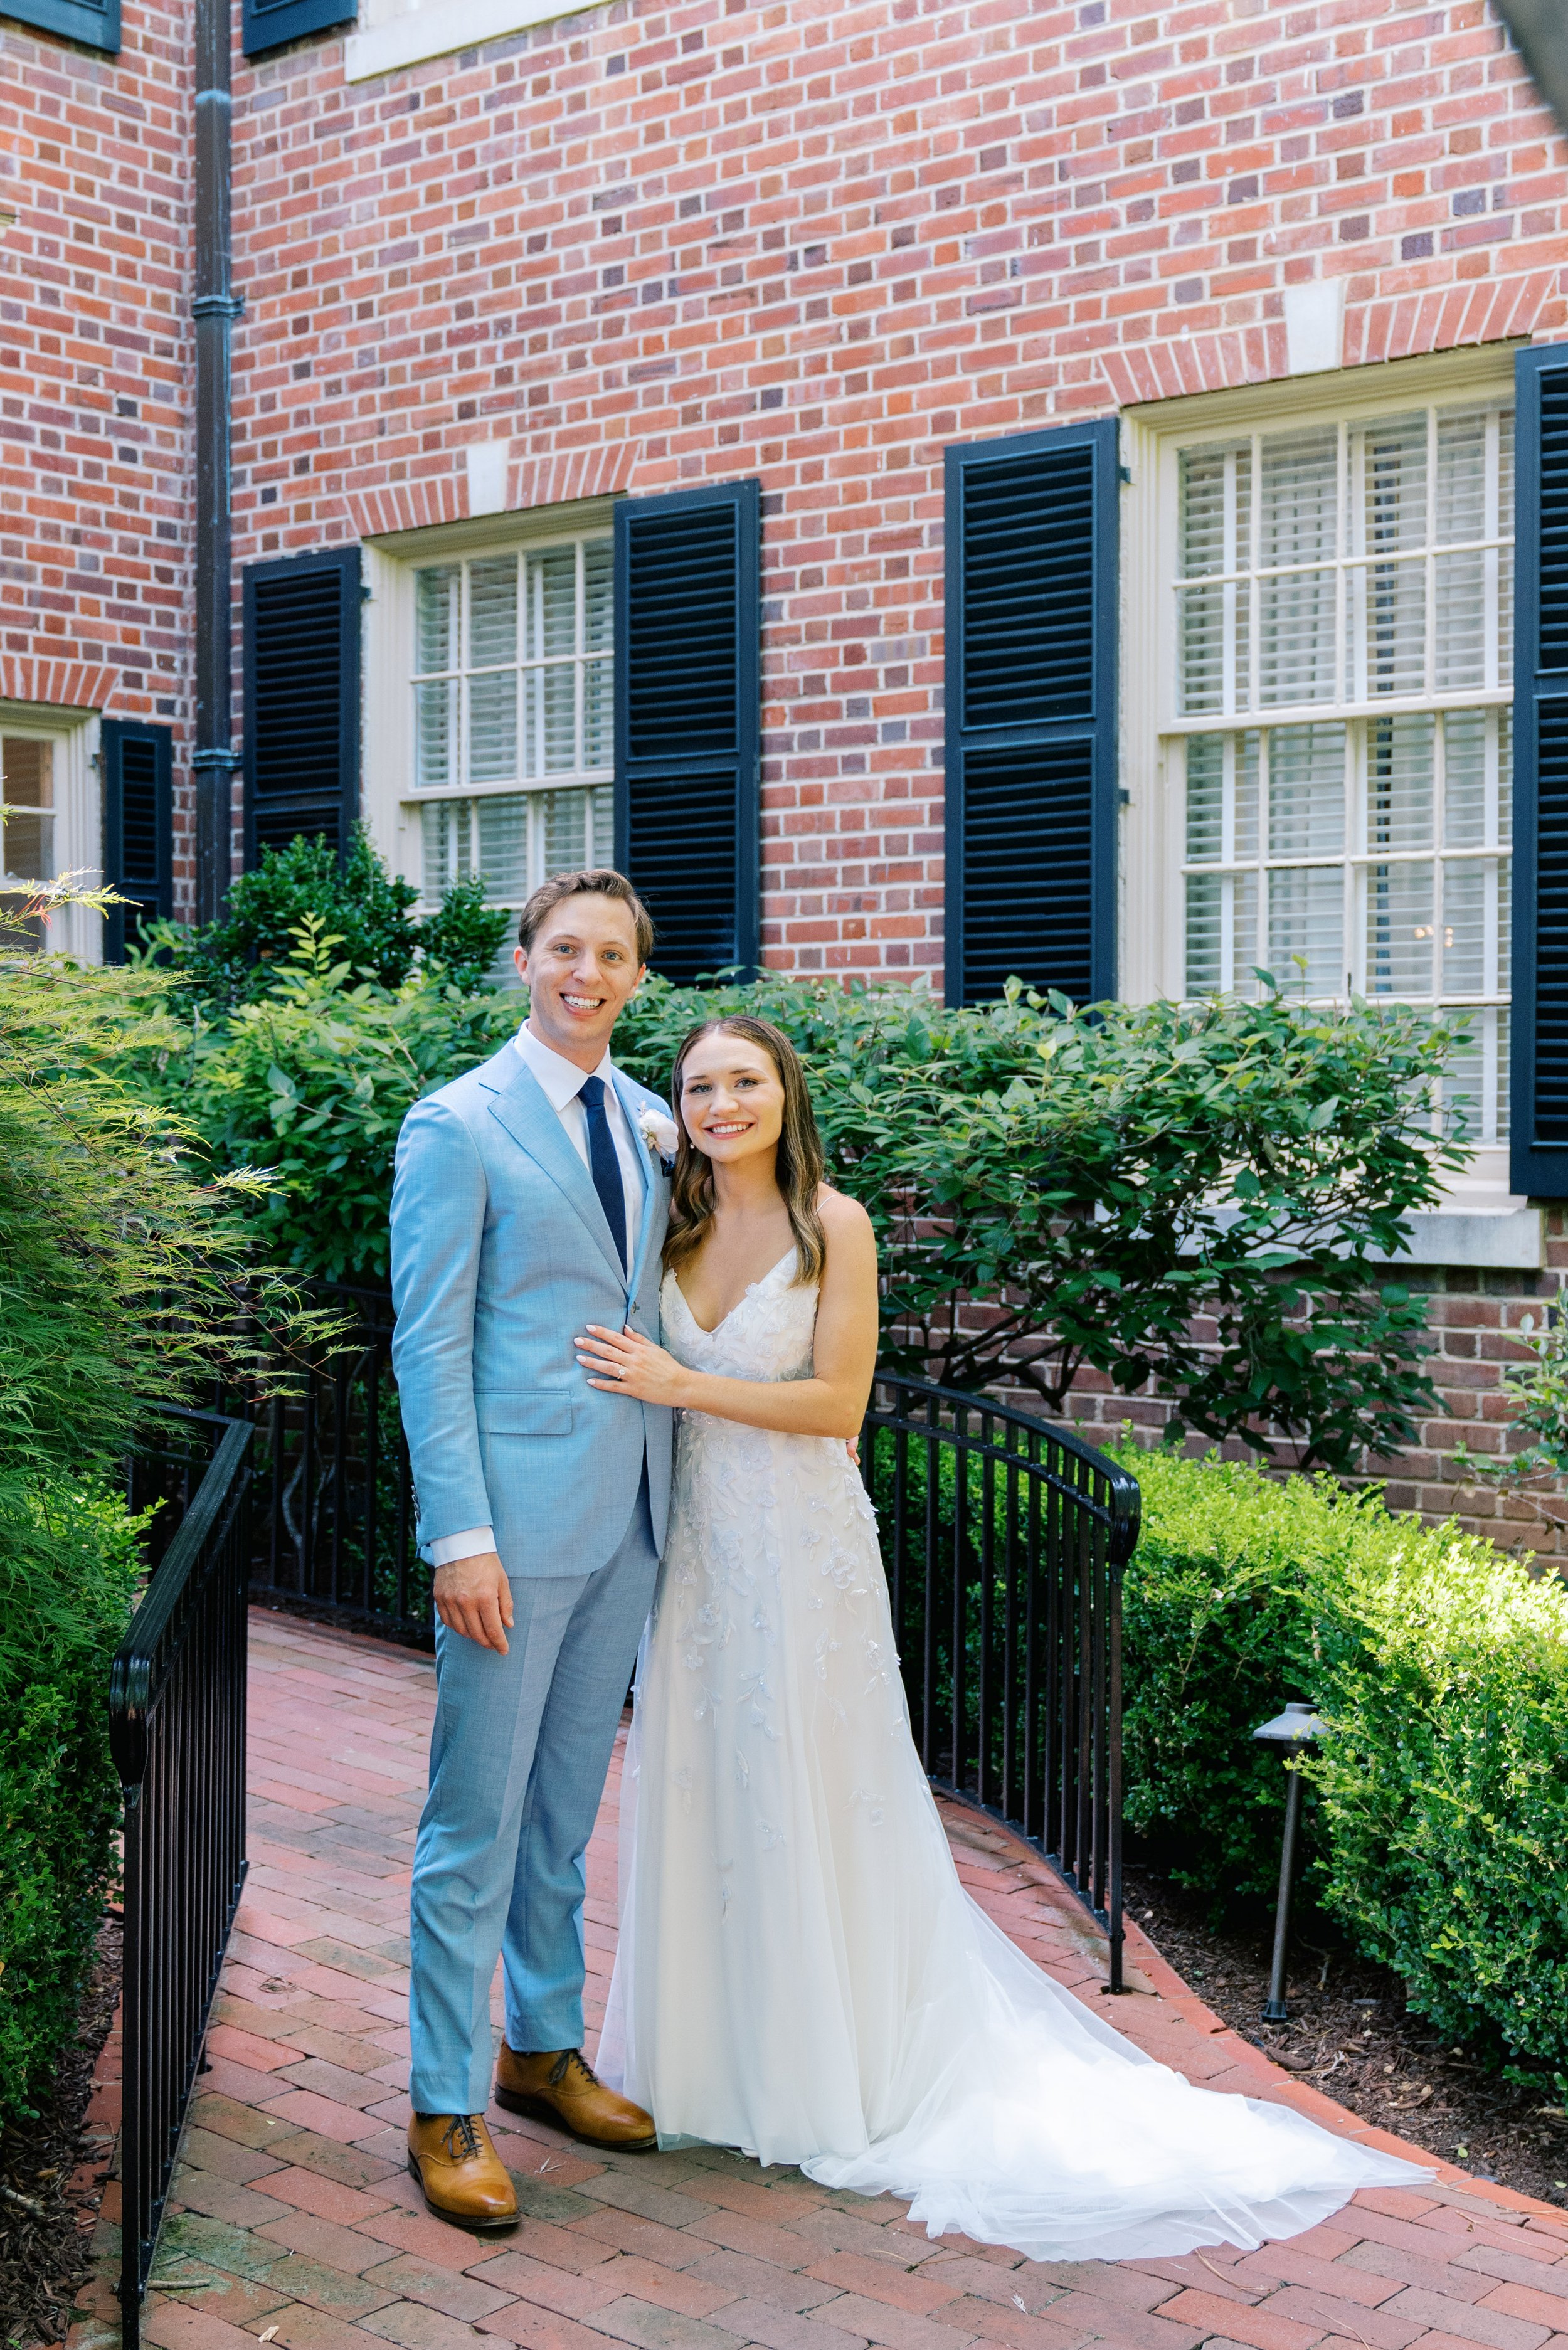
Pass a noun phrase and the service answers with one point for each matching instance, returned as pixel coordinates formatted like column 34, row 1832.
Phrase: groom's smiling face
column 581, row 968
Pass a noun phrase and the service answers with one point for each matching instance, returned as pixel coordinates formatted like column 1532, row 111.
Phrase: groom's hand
column 472, row 1597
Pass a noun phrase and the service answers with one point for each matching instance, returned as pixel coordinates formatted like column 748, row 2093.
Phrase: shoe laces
column 460, row 2139
column 564, row 2063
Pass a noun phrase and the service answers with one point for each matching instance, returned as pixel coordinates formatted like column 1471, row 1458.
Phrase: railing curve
column 1005, row 1539
column 177, row 1733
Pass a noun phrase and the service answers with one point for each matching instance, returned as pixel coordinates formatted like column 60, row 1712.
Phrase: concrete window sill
column 440, row 28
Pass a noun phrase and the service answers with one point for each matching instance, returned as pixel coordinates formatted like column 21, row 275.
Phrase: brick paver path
column 294, row 2221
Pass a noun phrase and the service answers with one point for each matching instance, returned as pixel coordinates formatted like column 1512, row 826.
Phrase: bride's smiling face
column 731, row 1098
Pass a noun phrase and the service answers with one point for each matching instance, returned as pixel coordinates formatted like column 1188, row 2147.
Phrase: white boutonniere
column 659, row 1134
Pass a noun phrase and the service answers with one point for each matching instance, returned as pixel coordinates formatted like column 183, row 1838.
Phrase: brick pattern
column 294, row 2221
column 816, row 245
column 95, row 374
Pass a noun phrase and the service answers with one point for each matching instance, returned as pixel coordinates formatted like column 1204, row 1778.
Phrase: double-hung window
column 1335, row 733
column 511, row 736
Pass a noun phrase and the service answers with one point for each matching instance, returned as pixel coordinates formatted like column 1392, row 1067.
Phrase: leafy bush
column 362, row 906
column 122, row 1272
column 1439, row 1836
column 1193, row 1195
column 311, row 1080
column 68, row 1565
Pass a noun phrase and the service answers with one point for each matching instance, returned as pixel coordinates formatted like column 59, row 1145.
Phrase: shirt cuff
column 449, row 1548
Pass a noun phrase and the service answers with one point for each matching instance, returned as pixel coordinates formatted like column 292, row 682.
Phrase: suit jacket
column 500, row 1256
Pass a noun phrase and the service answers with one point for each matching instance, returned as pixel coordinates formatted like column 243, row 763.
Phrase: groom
column 527, row 1204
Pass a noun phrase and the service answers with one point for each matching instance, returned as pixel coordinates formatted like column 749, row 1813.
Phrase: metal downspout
column 213, row 307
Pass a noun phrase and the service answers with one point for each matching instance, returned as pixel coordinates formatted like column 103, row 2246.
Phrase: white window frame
column 74, row 735
column 1152, row 844
column 390, row 800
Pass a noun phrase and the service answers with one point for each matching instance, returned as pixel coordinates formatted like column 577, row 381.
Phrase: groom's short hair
column 595, row 881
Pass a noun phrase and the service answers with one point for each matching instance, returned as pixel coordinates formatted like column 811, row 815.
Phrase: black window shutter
column 268, row 24
column 1031, row 596
column 1539, row 1117
column 94, row 22
column 302, row 700
column 138, row 829
column 688, row 631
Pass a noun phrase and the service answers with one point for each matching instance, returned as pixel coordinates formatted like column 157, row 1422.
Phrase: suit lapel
column 523, row 1107
column 629, row 1103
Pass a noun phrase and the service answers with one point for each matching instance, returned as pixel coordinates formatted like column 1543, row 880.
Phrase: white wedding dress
column 800, row 1972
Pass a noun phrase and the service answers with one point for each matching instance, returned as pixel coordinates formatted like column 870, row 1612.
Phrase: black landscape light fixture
column 1292, row 1732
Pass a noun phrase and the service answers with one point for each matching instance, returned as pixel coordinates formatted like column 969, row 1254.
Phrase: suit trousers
column 521, row 1747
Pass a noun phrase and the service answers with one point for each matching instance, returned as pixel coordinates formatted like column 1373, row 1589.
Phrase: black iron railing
column 334, row 1517
column 1005, row 1539
column 177, row 1732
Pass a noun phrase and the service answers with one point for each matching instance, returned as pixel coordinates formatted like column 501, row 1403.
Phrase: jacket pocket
column 500, row 1414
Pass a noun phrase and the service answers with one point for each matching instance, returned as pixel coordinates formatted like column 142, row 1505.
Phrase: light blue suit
column 500, row 1256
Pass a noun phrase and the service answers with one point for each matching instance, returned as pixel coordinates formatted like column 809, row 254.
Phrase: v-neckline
column 747, row 1292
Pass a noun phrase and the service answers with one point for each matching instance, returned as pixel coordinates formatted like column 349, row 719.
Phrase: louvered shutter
column 94, row 22
column 1539, row 1115
column 687, row 722
column 1032, row 713
column 138, row 828
column 302, row 700
column 268, row 24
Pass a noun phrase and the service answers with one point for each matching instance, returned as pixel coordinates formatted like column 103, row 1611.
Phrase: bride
column 800, row 1973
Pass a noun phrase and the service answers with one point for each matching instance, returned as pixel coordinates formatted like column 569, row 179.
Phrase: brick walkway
column 294, row 2221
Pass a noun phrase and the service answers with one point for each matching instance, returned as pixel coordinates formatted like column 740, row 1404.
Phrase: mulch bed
column 46, row 2236
column 1351, row 2037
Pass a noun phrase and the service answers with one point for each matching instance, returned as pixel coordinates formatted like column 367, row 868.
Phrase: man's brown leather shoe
column 464, row 2179
column 556, row 2086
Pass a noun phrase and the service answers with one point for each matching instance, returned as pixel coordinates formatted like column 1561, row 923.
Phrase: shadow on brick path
column 293, row 2221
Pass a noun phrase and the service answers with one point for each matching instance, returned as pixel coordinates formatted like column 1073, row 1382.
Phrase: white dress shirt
column 561, row 1082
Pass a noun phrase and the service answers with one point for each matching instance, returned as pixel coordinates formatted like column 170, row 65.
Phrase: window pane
column 1394, row 485
column 447, row 845
column 1399, row 754
column 1214, row 490
column 1296, row 638
column 437, row 593
column 1300, row 497
column 493, row 727
column 1202, row 623
column 1469, row 894
column 1462, row 629
column 29, row 845
column 26, row 772
column 598, row 595
column 598, row 713
column 1466, row 798
column 1306, row 791
column 603, row 849
column 1306, row 927
column 493, row 612
column 1204, row 797
column 1387, row 614
column 435, row 735
column 552, row 591
column 566, row 830
column 503, row 846
column 1399, row 930
column 1478, row 1070
column 550, row 719
column 1462, row 477
column 1503, row 722
column 1221, row 933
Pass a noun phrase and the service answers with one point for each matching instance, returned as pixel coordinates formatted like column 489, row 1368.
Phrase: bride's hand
column 630, row 1366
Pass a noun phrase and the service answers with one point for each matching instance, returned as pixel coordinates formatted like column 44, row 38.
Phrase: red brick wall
column 95, row 428
column 662, row 244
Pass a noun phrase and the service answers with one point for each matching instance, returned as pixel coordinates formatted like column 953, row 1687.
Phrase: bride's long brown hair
column 799, row 1168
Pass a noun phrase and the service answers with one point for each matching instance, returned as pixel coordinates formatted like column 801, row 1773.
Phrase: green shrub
column 1437, row 1823
column 68, row 1572
column 365, row 909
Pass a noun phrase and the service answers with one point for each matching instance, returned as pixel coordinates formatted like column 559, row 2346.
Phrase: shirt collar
column 560, row 1079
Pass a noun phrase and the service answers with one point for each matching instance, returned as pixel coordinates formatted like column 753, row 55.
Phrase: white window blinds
column 1345, row 591
column 513, row 715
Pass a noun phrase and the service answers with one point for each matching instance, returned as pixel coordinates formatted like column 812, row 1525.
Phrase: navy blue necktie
column 603, row 1162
